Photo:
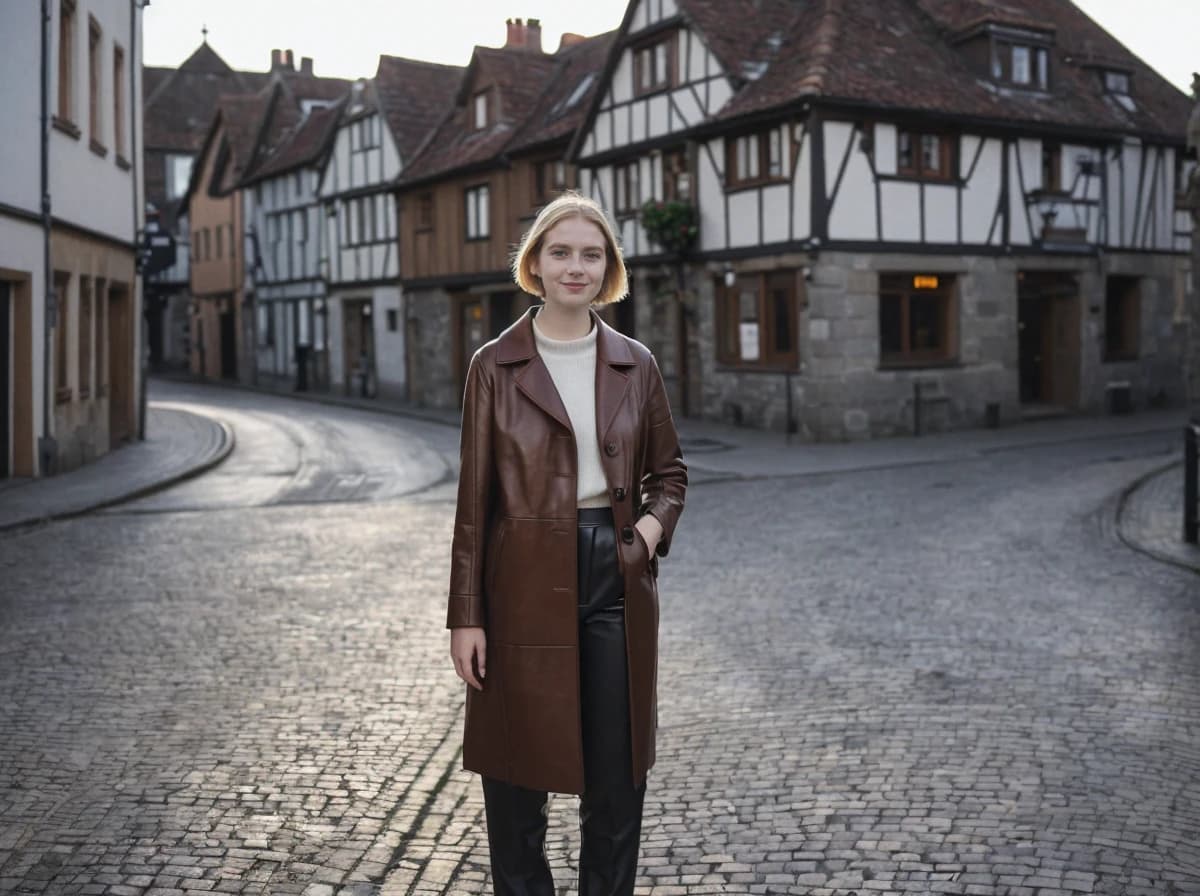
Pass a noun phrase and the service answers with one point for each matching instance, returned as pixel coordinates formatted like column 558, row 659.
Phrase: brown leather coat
column 513, row 564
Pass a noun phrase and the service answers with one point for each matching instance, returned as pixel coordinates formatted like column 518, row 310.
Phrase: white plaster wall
column 20, row 73
column 743, row 218
column 853, row 214
column 389, row 346
column 802, row 186
column 712, row 195
column 775, row 214
column 88, row 190
column 982, row 192
column 941, row 214
column 1023, row 175
column 900, row 203
column 1131, row 154
column 885, row 148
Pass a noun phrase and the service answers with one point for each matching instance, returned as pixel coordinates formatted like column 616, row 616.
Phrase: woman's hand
column 468, row 649
column 651, row 530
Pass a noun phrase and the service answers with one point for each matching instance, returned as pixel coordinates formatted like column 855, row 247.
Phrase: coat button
column 627, row 534
column 610, row 448
column 619, row 493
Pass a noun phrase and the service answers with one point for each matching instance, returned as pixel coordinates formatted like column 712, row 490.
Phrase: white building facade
column 70, row 298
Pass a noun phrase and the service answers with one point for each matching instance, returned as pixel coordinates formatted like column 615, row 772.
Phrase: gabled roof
column 179, row 102
column 537, row 98
column 562, row 105
column 413, row 96
column 305, row 145
column 906, row 55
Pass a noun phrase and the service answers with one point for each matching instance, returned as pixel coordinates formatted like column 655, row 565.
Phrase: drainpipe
column 140, row 340
column 47, row 450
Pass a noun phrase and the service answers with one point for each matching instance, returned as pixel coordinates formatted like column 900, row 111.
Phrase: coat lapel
column 612, row 381
column 516, row 346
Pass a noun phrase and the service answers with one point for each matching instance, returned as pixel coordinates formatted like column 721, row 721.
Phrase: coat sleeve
column 475, row 478
column 664, row 474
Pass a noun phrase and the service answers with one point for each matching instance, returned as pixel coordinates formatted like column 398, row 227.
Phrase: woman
column 572, row 482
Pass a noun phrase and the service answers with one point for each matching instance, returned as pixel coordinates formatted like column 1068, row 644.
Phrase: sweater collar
column 518, row 343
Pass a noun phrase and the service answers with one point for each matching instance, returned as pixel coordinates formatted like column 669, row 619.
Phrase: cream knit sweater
column 572, row 366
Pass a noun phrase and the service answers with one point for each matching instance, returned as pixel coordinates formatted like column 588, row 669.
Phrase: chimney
column 276, row 59
column 533, row 35
column 516, row 33
column 569, row 40
column 306, row 65
column 287, row 57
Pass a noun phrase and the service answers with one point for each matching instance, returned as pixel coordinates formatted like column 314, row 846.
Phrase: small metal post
column 1191, row 484
column 916, row 407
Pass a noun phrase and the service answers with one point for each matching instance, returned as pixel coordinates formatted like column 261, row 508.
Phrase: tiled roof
column 242, row 119
column 904, row 54
column 303, row 145
column 562, row 106
column 179, row 103
column 413, row 96
column 285, row 115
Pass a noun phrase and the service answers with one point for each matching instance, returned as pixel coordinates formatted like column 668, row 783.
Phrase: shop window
column 758, row 320
column 1122, row 319
column 918, row 321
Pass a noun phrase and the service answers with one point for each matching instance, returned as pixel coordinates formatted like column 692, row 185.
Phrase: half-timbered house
column 383, row 125
column 911, row 213
column 245, row 131
column 496, row 157
column 286, row 230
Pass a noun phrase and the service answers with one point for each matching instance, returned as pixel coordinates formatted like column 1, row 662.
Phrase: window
column 84, row 336
column 479, row 107
column 476, row 201
column 924, row 156
column 206, row 235
column 628, row 195
column 62, row 383
column 220, row 242
column 118, row 81
column 1116, row 82
column 1122, row 319
column 757, row 321
column 677, row 179
column 66, row 58
column 424, row 211
column 300, row 228
column 94, row 84
column 1051, row 167
column 550, row 177
column 756, row 159
column 179, row 172
column 393, row 320
column 1021, row 65
column 917, row 319
column 654, row 66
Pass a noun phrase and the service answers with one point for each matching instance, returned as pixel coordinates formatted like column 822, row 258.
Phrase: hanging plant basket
column 671, row 224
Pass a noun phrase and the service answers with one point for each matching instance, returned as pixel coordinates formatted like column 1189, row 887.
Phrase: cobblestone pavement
column 1150, row 518
column 949, row 678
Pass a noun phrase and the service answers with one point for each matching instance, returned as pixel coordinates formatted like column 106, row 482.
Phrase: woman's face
column 571, row 263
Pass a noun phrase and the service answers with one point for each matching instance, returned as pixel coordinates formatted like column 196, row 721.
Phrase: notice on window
column 748, row 338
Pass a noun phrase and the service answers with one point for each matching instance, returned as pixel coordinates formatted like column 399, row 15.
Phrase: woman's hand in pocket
column 468, row 649
column 651, row 531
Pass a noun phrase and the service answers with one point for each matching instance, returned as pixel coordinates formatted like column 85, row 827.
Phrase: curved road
column 950, row 678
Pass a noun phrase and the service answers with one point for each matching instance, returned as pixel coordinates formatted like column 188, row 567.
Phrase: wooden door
column 120, row 366
column 1048, row 342
column 470, row 330
column 358, row 348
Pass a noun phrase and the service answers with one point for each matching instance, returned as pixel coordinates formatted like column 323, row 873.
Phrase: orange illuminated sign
column 924, row 281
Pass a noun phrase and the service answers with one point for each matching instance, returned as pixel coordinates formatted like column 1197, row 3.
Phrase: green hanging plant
column 671, row 224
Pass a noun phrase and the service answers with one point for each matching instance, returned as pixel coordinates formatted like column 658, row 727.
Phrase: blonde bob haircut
column 615, row 285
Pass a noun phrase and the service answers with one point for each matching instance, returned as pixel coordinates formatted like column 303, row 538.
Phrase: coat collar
column 516, row 345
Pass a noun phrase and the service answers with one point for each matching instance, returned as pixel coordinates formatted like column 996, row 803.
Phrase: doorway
column 1048, row 344
column 5, row 381
column 358, row 348
column 228, row 336
column 120, row 366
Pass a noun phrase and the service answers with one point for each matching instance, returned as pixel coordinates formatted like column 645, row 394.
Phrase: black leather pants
column 610, row 812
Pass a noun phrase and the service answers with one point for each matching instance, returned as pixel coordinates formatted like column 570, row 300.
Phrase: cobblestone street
column 942, row 678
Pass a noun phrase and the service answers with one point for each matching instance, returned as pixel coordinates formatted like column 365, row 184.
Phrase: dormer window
column 1021, row 65
column 479, row 110
column 654, row 66
column 1116, row 82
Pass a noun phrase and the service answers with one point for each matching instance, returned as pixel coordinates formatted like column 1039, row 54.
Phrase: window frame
column 1004, row 58
column 917, row 170
column 477, row 212
column 1127, row 77
column 118, row 72
column 62, row 366
column 647, row 48
column 729, row 320
column 762, row 155
column 481, row 102
column 423, row 217
column 627, row 188
column 902, row 286
column 67, row 31
column 83, row 334
column 95, row 87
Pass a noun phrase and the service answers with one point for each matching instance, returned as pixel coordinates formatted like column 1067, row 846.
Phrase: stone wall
column 429, row 336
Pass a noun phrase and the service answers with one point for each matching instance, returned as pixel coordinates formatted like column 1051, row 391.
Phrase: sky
column 346, row 37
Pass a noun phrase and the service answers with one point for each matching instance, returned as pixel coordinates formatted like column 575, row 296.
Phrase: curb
column 228, row 441
column 1122, row 502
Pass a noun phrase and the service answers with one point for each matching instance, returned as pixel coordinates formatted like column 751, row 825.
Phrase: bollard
column 1191, row 484
column 916, row 407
